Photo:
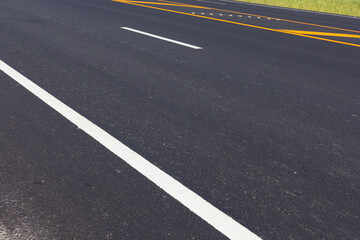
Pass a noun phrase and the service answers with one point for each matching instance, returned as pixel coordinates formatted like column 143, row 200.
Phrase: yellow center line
column 160, row 3
column 237, row 23
column 323, row 34
column 285, row 20
column 190, row 14
column 195, row 6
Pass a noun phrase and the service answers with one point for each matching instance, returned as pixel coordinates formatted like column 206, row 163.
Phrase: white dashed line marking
column 162, row 38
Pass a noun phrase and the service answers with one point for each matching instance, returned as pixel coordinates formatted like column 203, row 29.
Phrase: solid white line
column 219, row 220
column 162, row 38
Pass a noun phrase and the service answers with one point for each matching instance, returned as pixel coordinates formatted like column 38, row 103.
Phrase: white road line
column 162, row 38
column 219, row 220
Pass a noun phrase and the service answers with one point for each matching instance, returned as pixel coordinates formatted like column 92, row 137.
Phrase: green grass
column 345, row 7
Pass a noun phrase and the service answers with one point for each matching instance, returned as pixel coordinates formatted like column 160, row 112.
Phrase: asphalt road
column 262, row 124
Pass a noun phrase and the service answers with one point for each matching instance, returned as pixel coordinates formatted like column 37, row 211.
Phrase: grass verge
column 344, row 7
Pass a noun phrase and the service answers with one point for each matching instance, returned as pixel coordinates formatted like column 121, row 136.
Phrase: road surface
column 177, row 120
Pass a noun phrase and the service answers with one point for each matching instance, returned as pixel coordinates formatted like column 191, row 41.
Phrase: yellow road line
column 285, row 20
column 323, row 34
column 242, row 24
column 190, row 14
column 161, row 3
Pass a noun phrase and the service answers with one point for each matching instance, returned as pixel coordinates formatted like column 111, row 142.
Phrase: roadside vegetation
column 344, row 7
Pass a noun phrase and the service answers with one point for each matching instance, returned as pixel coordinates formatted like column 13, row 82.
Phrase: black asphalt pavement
column 263, row 125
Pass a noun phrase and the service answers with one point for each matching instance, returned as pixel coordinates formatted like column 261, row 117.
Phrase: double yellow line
column 307, row 34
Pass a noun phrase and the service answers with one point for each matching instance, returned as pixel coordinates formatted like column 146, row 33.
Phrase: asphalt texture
column 263, row 125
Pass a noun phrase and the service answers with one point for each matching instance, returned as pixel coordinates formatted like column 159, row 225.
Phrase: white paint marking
column 211, row 2
column 202, row 13
column 230, row 15
column 240, row 16
column 219, row 220
column 162, row 38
